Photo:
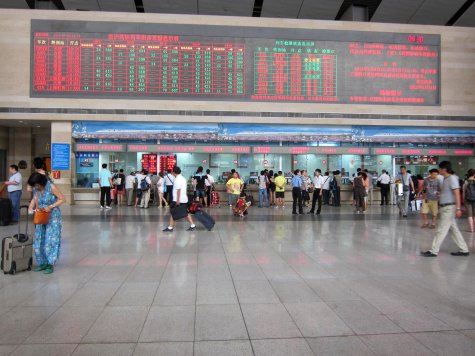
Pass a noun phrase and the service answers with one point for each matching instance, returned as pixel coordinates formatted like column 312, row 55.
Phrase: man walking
column 169, row 180
column 432, row 188
column 105, row 183
column 407, row 187
column 297, row 192
column 179, row 199
column 14, row 184
column 318, row 182
column 449, row 210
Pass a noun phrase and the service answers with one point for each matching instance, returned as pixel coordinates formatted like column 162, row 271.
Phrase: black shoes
column 168, row 229
column 428, row 254
column 459, row 253
column 310, row 212
column 404, row 216
column 191, row 228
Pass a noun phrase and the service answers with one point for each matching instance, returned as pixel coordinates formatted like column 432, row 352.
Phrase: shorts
column 470, row 206
column 431, row 206
column 279, row 195
column 200, row 193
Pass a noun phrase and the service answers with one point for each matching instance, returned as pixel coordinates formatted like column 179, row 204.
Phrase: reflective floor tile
column 164, row 348
column 395, row 345
column 142, row 274
column 269, row 321
column 341, row 346
column 173, row 323
column 93, row 295
column 219, row 322
column 294, row 292
column 317, row 319
column 447, row 343
column 117, row 324
column 6, row 350
column 176, row 293
column 255, row 292
column 45, row 350
column 281, row 347
column 223, row 348
column 134, row 294
column 332, row 290
column 53, row 294
column 216, row 292
column 66, row 325
column 104, row 350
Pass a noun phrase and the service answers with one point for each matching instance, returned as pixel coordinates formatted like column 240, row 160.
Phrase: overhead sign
column 99, row 147
column 304, row 150
column 423, row 151
column 60, row 156
column 189, row 149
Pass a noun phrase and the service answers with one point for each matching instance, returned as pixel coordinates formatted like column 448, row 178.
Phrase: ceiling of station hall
column 425, row 12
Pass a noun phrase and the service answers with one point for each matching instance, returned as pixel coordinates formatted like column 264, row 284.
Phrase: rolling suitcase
column 5, row 212
column 204, row 218
column 17, row 250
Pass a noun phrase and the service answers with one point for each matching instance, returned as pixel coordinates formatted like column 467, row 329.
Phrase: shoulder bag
column 41, row 216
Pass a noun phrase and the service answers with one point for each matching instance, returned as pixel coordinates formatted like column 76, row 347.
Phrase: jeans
column 447, row 223
column 336, row 197
column 106, row 194
column 15, row 198
column 233, row 198
column 316, row 197
column 403, row 202
column 297, row 198
column 263, row 197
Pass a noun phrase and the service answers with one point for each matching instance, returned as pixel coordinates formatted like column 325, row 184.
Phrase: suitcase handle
column 23, row 238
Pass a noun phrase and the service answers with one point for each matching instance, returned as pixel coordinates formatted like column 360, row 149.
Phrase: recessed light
column 21, row 122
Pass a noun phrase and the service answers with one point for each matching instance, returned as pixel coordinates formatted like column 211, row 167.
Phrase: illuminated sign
column 98, row 147
column 189, row 148
column 189, row 62
column 304, row 150
column 422, row 152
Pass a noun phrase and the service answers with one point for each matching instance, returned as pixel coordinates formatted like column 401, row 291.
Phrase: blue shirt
column 104, row 176
column 296, row 181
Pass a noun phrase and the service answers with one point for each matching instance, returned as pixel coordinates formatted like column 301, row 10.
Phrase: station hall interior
column 244, row 86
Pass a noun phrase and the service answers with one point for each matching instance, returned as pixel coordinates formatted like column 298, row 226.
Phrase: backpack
column 333, row 184
column 144, row 186
column 470, row 192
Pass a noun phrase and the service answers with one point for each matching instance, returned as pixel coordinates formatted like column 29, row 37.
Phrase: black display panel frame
column 250, row 37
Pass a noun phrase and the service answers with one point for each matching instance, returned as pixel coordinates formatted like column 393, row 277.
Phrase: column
column 61, row 132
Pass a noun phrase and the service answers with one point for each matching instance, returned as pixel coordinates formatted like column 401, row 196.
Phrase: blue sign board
column 60, row 160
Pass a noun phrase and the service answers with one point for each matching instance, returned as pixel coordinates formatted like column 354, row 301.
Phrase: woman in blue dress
column 47, row 241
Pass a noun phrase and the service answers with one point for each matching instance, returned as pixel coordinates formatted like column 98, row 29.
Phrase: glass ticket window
column 87, row 169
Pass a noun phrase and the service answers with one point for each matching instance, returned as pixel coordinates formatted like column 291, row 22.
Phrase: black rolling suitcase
column 5, row 212
column 204, row 218
column 17, row 250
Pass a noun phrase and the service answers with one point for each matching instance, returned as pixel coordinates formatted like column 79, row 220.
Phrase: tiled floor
column 271, row 284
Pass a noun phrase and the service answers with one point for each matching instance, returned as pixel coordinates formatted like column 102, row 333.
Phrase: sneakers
column 460, row 253
column 191, row 228
column 102, row 207
column 40, row 268
column 428, row 254
column 168, row 229
column 108, row 207
column 49, row 269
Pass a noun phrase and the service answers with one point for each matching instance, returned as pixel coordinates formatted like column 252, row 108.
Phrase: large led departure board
column 192, row 62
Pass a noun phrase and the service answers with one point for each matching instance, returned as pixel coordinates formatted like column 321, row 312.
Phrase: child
column 241, row 205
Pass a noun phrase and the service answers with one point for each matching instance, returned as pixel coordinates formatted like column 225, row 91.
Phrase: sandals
column 424, row 226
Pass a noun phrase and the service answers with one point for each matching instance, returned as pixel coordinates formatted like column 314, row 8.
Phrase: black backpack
column 470, row 192
column 333, row 184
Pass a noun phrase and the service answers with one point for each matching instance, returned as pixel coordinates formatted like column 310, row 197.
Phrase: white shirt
column 15, row 178
column 209, row 180
column 318, row 182
column 129, row 182
column 180, row 184
column 262, row 182
column 384, row 178
column 326, row 182
column 169, row 179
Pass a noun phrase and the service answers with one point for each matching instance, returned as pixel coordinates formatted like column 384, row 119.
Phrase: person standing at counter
column 129, row 188
column 262, row 181
column 336, row 181
column 318, row 182
column 384, row 181
column 407, row 187
column 14, row 186
column 359, row 190
column 449, row 210
column 209, row 186
column 145, row 185
column 234, row 187
column 369, row 192
column 326, row 189
column 297, row 192
column 280, row 189
column 105, row 183
column 200, row 180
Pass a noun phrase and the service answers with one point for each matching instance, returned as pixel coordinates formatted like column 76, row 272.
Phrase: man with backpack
column 449, row 210
column 469, row 198
column 144, row 185
column 200, row 180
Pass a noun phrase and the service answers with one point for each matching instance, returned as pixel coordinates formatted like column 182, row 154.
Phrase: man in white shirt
column 145, row 192
column 129, row 188
column 384, row 181
column 138, row 196
column 14, row 184
column 318, row 182
column 179, row 199
column 326, row 188
column 169, row 180
column 209, row 184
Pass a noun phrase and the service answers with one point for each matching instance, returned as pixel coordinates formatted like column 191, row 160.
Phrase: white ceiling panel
column 281, row 8
column 226, row 7
column 171, row 6
column 436, row 12
column 396, row 11
column 13, row 4
column 468, row 18
column 320, row 9
column 117, row 5
column 90, row 5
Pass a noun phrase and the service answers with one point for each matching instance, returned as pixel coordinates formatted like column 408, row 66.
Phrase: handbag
column 178, row 211
column 41, row 216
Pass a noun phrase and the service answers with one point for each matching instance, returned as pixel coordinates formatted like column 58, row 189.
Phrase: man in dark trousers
column 297, row 192
column 318, row 182
column 169, row 180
